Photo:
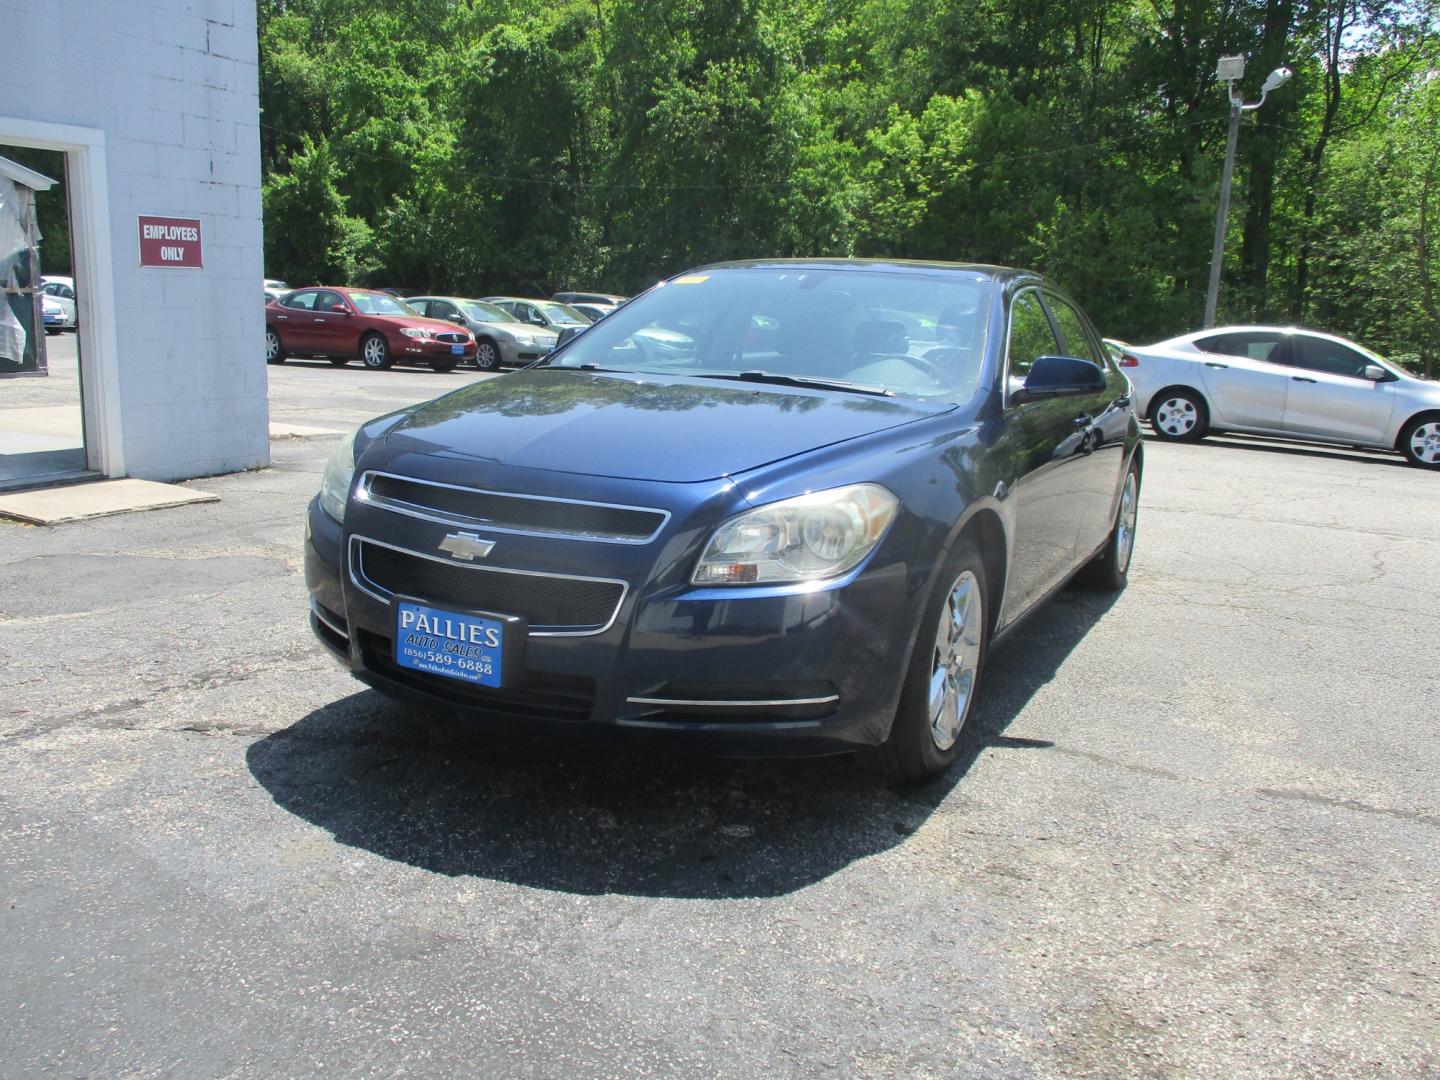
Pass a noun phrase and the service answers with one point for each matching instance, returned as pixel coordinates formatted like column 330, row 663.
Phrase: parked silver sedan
column 500, row 338
column 1279, row 381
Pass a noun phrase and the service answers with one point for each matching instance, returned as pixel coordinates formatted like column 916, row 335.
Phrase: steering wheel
column 928, row 367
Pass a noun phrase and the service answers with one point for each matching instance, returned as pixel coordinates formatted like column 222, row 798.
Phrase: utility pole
column 1229, row 70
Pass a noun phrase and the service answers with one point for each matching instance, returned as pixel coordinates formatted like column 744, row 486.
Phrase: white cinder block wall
column 174, row 84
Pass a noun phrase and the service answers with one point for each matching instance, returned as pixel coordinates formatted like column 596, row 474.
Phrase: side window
column 442, row 309
column 324, row 301
column 1254, row 344
column 1330, row 357
column 1030, row 334
column 422, row 306
column 1077, row 343
column 304, row 300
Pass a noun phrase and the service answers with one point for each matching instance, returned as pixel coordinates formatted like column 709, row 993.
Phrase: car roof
column 1000, row 273
column 1255, row 328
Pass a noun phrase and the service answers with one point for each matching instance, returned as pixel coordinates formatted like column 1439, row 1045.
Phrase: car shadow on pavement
column 1364, row 455
column 446, row 797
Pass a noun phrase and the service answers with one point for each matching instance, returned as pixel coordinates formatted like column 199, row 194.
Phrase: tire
column 487, row 355
column 1420, row 441
column 52, row 333
column 274, row 350
column 929, row 729
column 338, row 361
column 1110, row 570
column 1179, row 415
column 442, row 367
column 375, row 352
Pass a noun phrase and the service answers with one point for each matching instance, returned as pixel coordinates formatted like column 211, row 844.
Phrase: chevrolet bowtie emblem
column 466, row 546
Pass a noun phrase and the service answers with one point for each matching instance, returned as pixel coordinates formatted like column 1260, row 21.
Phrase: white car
column 61, row 290
column 1280, row 381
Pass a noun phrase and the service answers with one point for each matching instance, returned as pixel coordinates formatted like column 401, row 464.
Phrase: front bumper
column 517, row 354
column 422, row 349
column 754, row 671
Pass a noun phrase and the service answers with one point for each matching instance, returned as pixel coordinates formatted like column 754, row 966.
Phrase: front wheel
column 487, row 355
column 1420, row 441
column 1110, row 570
column 375, row 352
column 944, row 673
column 274, row 351
column 1179, row 416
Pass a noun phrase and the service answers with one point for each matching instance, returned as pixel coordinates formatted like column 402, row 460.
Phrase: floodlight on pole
column 1230, row 70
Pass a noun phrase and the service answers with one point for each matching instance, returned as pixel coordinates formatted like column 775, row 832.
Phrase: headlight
column 807, row 538
column 339, row 471
column 421, row 332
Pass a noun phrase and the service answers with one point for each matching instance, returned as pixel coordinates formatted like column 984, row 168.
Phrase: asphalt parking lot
column 1198, row 832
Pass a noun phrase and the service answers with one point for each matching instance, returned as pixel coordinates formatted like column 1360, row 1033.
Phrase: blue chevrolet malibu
column 775, row 506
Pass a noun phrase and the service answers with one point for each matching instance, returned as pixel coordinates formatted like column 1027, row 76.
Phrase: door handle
column 1217, row 367
column 1300, row 378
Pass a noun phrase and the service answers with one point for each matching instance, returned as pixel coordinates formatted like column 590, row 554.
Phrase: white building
column 156, row 105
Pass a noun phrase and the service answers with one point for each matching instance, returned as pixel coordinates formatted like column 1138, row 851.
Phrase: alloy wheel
column 956, row 660
column 272, row 346
column 1425, row 443
column 374, row 352
column 1125, row 526
column 1177, row 416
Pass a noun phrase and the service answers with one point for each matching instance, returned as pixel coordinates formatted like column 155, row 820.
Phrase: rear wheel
column 274, row 351
column 1179, row 415
column 1420, row 441
column 375, row 352
column 944, row 673
column 487, row 355
column 1110, row 570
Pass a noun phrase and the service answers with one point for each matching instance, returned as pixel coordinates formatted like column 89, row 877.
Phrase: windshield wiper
column 582, row 367
column 805, row 382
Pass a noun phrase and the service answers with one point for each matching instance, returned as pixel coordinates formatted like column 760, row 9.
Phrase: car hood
column 642, row 427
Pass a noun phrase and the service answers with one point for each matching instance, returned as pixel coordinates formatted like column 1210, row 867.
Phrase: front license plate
column 450, row 643
column 457, row 350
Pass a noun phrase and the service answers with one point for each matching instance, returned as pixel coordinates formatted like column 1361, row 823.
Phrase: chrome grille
column 451, row 338
column 549, row 603
column 508, row 512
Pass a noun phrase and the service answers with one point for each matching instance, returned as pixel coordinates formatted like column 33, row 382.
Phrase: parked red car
column 342, row 324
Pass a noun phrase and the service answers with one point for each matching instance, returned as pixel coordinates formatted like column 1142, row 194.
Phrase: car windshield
column 904, row 333
column 377, row 303
column 480, row 311
column 561, row 314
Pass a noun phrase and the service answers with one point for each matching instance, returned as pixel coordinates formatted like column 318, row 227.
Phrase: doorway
column 42, row 431
column 60, row 419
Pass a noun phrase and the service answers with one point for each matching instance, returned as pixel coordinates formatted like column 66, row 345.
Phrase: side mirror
column 570, row 333
column 1059, row 376
column 1376, row 373
column 340, row 309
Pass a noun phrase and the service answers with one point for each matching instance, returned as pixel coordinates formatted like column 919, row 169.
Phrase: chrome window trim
column 371, row 589
column 426, row 513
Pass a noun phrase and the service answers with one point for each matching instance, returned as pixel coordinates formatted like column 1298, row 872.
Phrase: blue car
column 798, row 529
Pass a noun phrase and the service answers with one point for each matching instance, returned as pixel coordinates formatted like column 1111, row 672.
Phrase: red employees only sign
column 170, row 241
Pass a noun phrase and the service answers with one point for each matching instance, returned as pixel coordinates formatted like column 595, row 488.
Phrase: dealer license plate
column 457, row 350
column 449, row 643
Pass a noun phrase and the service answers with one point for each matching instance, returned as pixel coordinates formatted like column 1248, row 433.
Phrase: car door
column 334, row 331
column 1245, row 378
column 1103, row 419
column 294, row 322
column 1330, row 397
column 1040, row 442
